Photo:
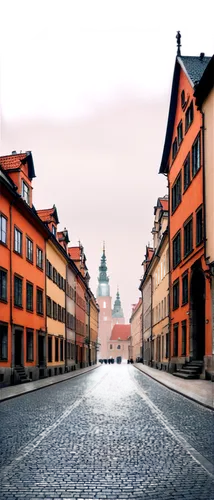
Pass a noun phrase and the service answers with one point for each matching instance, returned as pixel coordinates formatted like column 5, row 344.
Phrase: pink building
column 119, row 343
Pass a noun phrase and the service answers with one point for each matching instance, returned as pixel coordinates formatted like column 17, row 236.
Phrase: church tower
column 117, row 313
column 104, row 300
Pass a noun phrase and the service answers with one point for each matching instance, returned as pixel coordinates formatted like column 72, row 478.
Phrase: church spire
column 103, row 289
column 117, row 310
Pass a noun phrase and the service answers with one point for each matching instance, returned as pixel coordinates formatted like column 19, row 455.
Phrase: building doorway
column 119, row 359
column 197, row 302
column 18, row 347
column 41, row 350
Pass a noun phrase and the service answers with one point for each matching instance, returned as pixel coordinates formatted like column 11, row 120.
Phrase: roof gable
column 194, row 68
column 121, row 332
column 16, row 160
column 48, row 215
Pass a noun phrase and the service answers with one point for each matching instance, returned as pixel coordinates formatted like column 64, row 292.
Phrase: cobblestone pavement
column 111, row 434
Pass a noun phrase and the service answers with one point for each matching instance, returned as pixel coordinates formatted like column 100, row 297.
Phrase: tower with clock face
column 104, row 300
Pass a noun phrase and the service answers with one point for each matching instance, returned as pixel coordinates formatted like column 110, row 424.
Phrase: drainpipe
column 170, row 281
column 11, row 291
column 151, row 325
column 204, row 185
column 66, row 339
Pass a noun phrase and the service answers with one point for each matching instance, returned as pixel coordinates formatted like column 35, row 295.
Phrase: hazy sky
column 85, row 86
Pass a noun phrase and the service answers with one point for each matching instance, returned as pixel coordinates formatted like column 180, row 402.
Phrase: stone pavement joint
column 14, row 391
column 200, row 391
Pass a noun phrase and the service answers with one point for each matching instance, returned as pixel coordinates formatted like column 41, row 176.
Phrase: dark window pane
column 50, row 349
column 61, row 350
column 17, row 291
column 199, row 227
column 3, row 342
column 39, row 302
column 180, row 132
column 29, row 345
column 3, row 285
column 189, row 116
column 3, row 229
column 184, row 334
column 175, row 340
column 56, row 349
column 29, row 297
column 188, row 238
column 176, row 295
column 185, row 289
column 187, row 173
column 176, row 193
column 196, row 156
column 176, row 250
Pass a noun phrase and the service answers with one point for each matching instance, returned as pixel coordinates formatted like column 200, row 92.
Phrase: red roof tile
column 11, row 162
column 165, row 204
column 121, row 332
column 45, row 214
column 74, row 253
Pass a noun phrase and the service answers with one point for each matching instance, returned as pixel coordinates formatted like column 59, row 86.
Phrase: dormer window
column 54, row 230
column 25, row 192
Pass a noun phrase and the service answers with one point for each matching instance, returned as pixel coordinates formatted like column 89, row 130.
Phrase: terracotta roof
column 135, row 307
column 165, row 204
column 74, row 253
column 121, row 332
column 48, row 215
column 150, row 254
column 14, row 161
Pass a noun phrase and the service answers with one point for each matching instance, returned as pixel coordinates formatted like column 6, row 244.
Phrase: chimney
column 14, row 153
column 202, row 54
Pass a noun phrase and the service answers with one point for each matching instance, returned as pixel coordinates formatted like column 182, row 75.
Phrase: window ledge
column 17, row 253
column 196, row 173
column 29, row 261
column 185, row 190
column 184, row 303
column 18, row 307
column 40, row 268
column 200, row 243
column 4, row 244
column 40, row 314
column 29, row 311
column 188, row 253
column 5, row 301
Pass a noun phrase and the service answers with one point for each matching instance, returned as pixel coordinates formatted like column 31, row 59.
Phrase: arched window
column 118, row 347
column 110, row 346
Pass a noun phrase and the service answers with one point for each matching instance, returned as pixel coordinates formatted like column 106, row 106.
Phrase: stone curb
column 176, row 390
column 53, row 382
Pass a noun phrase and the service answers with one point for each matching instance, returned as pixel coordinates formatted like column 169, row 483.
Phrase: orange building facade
column 183, row 163
column 22, row 267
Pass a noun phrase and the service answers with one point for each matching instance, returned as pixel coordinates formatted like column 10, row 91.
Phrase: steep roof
column 48, row 215
column 136, row 307
column 194, row 68
column 74, row 253
column 206, row 83
column 121, row 332
column 165, row 204
column 16, row 160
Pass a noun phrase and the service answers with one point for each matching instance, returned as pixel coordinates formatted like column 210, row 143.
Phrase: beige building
column 146, row 290
column 136, row 331
column 160, row 286
column 119, row 343
column 205, row 101
column 94, row 321
column 56, row 262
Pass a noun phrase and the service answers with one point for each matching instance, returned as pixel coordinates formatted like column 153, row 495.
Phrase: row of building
column 172, row 326
column 48, row 313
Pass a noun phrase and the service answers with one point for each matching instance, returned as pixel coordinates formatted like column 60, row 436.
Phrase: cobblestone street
column 111, row 434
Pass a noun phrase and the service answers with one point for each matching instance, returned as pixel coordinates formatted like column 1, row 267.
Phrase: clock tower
column 104, row 300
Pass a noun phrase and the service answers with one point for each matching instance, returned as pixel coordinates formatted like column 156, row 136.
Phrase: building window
column 110, row 346
column 196, row 156
column 48, row 306
column 189, row 116
column 167, row 345
column 61, row 350
column 164, row 307
column 54, row 230
column 185, row 289
column 56, row 349
column 176, row 295
column 187, row 172
column 162, row 347
column 49, row 349
column 118, row 347
column 3, row 285
column 188, row 238
column 29, row 250
column 49, row 269
column 58, row 280
column 199, row 226
column 180, row 132
column 17, row 291
column 177, row 250
column 184, row 337
column 39, row 301
column 182, row 98
column 29, row 296
column 29, row 338
column 59, row 313
column 17, row 241
column 54, row 310
column 104, row 305
column 63, row 314
column 174, row 148
column 54, row 275
column 3, row 342
column 39, row 257
column 176, row 193
column 175, row 339
column 25, row 192
column 3, row 229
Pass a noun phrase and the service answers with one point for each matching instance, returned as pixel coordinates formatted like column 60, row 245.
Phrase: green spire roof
column 117, row 310
column 103, row 289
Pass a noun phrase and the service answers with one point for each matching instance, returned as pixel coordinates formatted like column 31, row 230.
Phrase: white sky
column 89, row 81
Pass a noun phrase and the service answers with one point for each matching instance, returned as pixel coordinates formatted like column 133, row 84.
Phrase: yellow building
column 136, row 331
column 56, row 261
column 94, row 321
